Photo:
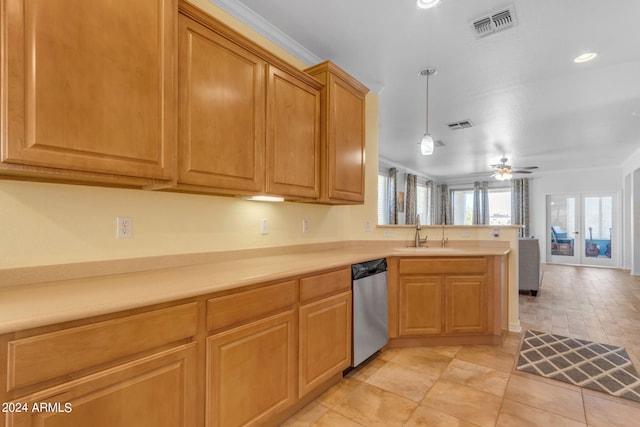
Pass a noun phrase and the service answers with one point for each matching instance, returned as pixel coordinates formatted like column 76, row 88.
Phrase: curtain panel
column 411, row 199
column 445, row 204
column 481, row 203
column 431, row 203
column 520, row 205
column 393, row 196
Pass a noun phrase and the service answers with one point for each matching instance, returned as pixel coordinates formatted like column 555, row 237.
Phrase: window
column 383, row 198
column 421, row 203
column 462, row 207
column 499, row 206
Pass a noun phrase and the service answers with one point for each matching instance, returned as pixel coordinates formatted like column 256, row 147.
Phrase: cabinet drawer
column 47, row 356
column 444, row 265
column 324, row 284
column 156, row 390
column 236, row 308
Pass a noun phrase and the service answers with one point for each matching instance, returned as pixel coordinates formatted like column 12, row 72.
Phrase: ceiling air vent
column 494, row 22
column 463, row 124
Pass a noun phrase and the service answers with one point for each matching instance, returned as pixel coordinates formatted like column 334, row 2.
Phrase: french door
column 582, row 229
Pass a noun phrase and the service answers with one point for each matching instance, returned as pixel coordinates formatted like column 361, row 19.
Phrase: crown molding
column 262, row 26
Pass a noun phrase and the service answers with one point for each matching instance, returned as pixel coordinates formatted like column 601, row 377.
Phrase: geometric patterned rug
column 600, row 367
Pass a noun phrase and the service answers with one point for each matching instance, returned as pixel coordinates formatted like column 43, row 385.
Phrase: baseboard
column 515, row 327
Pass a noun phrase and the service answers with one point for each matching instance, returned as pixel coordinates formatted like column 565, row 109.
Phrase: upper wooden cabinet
column 293, row 138
column 88, row 90
column 249, row 123
column 342, row 135
column 221, row 111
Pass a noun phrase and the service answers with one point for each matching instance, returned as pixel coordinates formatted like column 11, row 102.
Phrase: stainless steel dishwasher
column 370, row 330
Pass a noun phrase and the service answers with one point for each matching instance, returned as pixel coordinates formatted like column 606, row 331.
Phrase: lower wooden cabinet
column 251, row 371
column 325, row 340
column 133, row 369
column 273, row 346
column 247, row 357
column 154, row 391
column 446, row 297
column 420, row 305
column 466, row 308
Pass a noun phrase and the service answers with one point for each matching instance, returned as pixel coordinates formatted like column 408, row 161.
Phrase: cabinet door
column 154, row 391
column 221, row 112
column 251, row 371
column 325, row 340
column 293, row 142
column 345, row 142
column 421, row 305
column 466, row 304
column 90, row 86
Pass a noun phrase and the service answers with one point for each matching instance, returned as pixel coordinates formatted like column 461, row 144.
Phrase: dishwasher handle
column 369, row 268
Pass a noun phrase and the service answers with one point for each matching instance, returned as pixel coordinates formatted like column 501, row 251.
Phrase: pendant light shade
column 427, row 144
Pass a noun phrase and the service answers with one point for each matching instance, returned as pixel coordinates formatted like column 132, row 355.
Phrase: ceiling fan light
column 426, row 145
column 585, row 57
column 428, row 4
column 503, row 175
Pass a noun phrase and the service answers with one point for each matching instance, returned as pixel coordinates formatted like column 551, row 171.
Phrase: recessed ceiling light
column 585, row 57
column 428, row 4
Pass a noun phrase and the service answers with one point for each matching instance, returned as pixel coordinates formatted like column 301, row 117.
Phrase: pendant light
column 427, row 143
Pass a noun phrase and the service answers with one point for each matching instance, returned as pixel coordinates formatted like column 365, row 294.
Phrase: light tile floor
column 478, row 386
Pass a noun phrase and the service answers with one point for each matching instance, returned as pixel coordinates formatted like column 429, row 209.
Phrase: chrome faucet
column 419, row 241
column 444, row 240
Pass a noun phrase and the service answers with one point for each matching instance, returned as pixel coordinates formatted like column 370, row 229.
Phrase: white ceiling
column 520, row 87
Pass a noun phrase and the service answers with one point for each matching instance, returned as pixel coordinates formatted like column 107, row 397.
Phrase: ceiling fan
column 504, row 172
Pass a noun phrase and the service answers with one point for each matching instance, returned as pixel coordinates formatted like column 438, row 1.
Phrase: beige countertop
column 38, row 304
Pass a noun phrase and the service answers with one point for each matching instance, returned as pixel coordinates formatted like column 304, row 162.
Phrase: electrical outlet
column 124, row 227
column 305, row 226
column 367, row 225
column 264, row 226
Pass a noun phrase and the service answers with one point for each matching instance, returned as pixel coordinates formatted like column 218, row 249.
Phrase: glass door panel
column 598, row 227
column 581, row 229
column 562, row 217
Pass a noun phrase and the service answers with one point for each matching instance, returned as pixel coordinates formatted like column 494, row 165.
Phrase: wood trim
column 336, row 70
column 446, row 340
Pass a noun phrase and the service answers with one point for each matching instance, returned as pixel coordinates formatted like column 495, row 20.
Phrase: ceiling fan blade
column 525, row 167
column 520, row 171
